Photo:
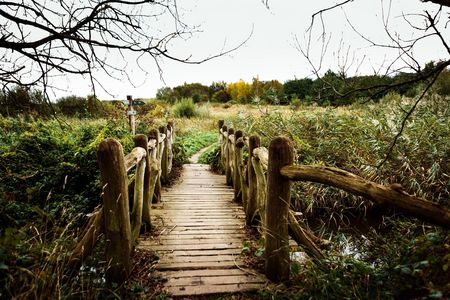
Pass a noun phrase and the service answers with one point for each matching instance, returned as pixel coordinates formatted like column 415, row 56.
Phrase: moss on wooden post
column 116, row 213
column 277, row 210
column 252, row 197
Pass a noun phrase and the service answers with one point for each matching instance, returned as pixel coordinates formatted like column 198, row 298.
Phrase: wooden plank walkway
column 201, row 240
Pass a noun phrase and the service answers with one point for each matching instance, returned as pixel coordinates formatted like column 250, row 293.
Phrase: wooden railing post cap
column 139, row 138
column 107, row 144
column 280, row 142
column 254, row 142
column 153, row 134
column 162, row 129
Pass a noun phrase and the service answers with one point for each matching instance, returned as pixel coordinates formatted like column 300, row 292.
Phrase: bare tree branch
column 38, row 41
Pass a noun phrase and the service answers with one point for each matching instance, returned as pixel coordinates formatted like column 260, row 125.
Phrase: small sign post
column 131, row 113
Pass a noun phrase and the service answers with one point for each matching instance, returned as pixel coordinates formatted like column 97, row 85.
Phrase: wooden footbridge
column 200, row 222
column 201, row 237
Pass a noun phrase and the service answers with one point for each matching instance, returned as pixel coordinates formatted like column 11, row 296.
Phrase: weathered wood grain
column 201, row 235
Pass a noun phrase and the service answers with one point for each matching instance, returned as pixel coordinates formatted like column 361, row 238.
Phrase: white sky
column 270, row 52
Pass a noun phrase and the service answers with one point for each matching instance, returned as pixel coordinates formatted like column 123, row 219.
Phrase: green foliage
column 193, row 140
column 50, row 179
column 298, row 88
column 72, row 106
column 185, row 108
column 81, row 107
column 221, row 96
column 211, row 157
column 196, row 91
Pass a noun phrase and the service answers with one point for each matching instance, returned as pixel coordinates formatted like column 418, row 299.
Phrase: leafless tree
column 427, row 24
column 41, row 39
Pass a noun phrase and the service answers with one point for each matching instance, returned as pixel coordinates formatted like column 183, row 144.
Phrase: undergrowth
column 50, row 181
column 191, row 141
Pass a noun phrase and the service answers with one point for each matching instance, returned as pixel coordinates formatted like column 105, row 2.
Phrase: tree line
column 23, row 100
column 331, row 89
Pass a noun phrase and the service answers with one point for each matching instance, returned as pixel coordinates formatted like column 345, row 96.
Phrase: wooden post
column 237, row 163
column 164, row 156
column 141, row 140
column 131, row 115
column 277, row 210
column 155, row 171
column 223, row 148
column 252, row 205
column 261, row 186
column 221, row 123
column 170, row 129
column 228, row 159
column 136, row 212
column 172, row 126
column 242, row 173
column 116, row 213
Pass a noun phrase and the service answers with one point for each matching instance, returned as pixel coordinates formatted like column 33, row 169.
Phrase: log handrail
column 264, row 185
column 120, row 225
column 392, row 195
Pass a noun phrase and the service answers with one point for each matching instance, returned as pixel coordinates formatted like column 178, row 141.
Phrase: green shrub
column 211, row 157
column 295, row 103
column 185, row 108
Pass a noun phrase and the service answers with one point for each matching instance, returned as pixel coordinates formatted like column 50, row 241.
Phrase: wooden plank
column 197, row 258
column 199, row 265
column 214, row 280
column 233, row 235
column 193, row 247
column 234, row 251
column 205, row 273
column 213, row 289
column 207, row 232
column 189, row 242
column 198, row 213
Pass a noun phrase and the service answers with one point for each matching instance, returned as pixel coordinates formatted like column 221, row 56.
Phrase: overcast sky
column 271, row 52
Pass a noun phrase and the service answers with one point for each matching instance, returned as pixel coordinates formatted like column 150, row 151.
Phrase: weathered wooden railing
column 263, row 183
column 152, row 161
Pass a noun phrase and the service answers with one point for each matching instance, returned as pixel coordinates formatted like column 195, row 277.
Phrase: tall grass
column 357, row 138
column 399, row 257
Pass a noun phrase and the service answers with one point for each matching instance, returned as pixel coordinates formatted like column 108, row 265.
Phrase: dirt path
column 194, row 158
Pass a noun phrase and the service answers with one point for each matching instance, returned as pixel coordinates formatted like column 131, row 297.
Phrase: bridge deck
column 201, row 240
